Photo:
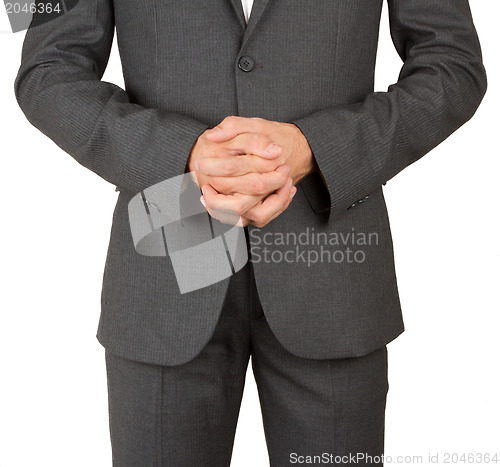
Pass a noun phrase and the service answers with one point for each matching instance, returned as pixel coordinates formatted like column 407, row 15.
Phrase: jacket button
column 246, row 63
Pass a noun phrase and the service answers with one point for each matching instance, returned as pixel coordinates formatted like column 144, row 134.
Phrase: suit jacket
column 187, row 65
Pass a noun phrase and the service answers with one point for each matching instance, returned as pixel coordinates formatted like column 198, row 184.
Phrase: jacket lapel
column 258, row 8
column 238, row 9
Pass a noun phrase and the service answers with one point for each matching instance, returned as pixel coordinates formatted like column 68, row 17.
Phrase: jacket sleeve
column 59, row 89
column 359, row 147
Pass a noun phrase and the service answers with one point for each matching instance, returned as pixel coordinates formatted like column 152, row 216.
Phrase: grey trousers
column 186, row 415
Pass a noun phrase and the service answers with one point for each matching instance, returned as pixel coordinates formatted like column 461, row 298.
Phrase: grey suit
column 311, row 66
column 185, row 415
column 189, row 64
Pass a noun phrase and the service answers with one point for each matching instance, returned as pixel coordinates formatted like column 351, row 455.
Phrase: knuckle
column 242, row 163
column 260, row 221
column 252, row 141
column 217, row 183
column 269, row 165
column 216, row 186
column 240, row 207
column 259, row 187
column 229, row 167
column 261, row 139
column 282, row 178
column 229, row 120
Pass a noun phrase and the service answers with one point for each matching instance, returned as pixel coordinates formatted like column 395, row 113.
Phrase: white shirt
column 247, row 8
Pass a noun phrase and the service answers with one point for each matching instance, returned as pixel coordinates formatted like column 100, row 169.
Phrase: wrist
column 191, row 158
column 306, row 160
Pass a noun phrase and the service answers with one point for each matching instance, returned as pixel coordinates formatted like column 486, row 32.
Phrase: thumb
column 217, row 134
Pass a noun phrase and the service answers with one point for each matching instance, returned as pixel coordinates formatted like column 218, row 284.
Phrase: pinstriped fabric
column 314, row 66
column 362, row 145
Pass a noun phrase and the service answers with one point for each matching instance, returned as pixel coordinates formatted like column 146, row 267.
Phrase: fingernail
column 292, row 192
column 196, row 165
column 203, row 189
column 202, row 201
column 290, row 183
column 274, row 148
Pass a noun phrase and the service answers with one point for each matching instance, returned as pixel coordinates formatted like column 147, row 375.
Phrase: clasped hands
column 247, row 168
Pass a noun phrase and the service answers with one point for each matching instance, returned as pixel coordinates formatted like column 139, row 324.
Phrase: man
column 282, row 107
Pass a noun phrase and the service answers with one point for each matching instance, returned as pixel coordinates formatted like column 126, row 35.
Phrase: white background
column 56, row 218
